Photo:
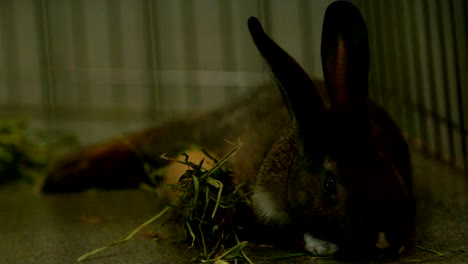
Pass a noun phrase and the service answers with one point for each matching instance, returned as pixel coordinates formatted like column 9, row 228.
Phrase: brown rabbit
column 327, row 164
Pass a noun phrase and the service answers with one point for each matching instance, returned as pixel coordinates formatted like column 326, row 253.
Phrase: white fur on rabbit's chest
column 270, row 211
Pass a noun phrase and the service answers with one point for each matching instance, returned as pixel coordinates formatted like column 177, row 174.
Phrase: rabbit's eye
column 329, row 184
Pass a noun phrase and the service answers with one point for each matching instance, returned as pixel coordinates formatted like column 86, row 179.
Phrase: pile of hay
column 205, row 210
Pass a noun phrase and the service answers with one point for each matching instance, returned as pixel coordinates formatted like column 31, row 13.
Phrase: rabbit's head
column 343, row 186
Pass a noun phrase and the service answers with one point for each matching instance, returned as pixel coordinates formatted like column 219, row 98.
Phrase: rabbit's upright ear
column 302, row 98
column 345, row 57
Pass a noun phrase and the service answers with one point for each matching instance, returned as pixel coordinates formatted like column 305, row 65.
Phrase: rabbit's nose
column 382, row 242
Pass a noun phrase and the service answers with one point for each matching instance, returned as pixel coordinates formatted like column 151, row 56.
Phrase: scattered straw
column 127, row 237
column 439, row 256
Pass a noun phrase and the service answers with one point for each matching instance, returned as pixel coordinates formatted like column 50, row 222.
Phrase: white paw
column 319, row 247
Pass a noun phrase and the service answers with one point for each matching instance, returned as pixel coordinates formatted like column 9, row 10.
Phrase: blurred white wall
column 101, row 67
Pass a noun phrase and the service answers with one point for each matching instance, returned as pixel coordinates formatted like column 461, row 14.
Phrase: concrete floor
column 39, row 228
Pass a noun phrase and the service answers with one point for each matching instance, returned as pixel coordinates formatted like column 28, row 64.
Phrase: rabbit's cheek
column 300, row 197
column 267, row 209
column 319, row 247
column 302, row 189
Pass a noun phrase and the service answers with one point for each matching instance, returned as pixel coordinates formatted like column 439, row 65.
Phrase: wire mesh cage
column 107, row 66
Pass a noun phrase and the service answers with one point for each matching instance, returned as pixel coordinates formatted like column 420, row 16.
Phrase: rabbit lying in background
column 327, row 164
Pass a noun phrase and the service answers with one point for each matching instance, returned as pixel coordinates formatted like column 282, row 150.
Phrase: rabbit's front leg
column 319, row 247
